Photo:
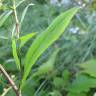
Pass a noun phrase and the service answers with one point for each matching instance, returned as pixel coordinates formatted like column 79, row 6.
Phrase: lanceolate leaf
column 25, row 38
column 5, row 15
column 15, row 55
column 46, row 38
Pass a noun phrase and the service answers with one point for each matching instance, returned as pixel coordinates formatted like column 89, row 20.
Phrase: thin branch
column 16, row 19
column 17, row 28
column 15, row 88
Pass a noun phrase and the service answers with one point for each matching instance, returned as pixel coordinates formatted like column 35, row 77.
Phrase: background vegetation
column 72, row 69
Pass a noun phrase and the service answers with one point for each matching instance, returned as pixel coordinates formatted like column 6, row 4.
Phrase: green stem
column 16, row 19
column 17, row 28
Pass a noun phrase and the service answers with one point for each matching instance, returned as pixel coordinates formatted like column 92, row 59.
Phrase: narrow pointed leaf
column 15, row 55
column 3, row 19
column 46, row 38
column 25, row 38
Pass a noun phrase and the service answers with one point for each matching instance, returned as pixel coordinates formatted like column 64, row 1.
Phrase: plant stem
column 17, row 28
column 16, row 19
column 15, row 88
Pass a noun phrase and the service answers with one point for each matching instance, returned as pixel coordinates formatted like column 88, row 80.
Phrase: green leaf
column 48, row 66
column 46, row 38
column 25, row 38
column 3, row 17
column 3, row 7
column 89, row 67
column 82, row 83
column 15, row 55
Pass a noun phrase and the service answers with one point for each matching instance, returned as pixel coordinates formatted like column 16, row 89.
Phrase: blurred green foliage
column 77, row 45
